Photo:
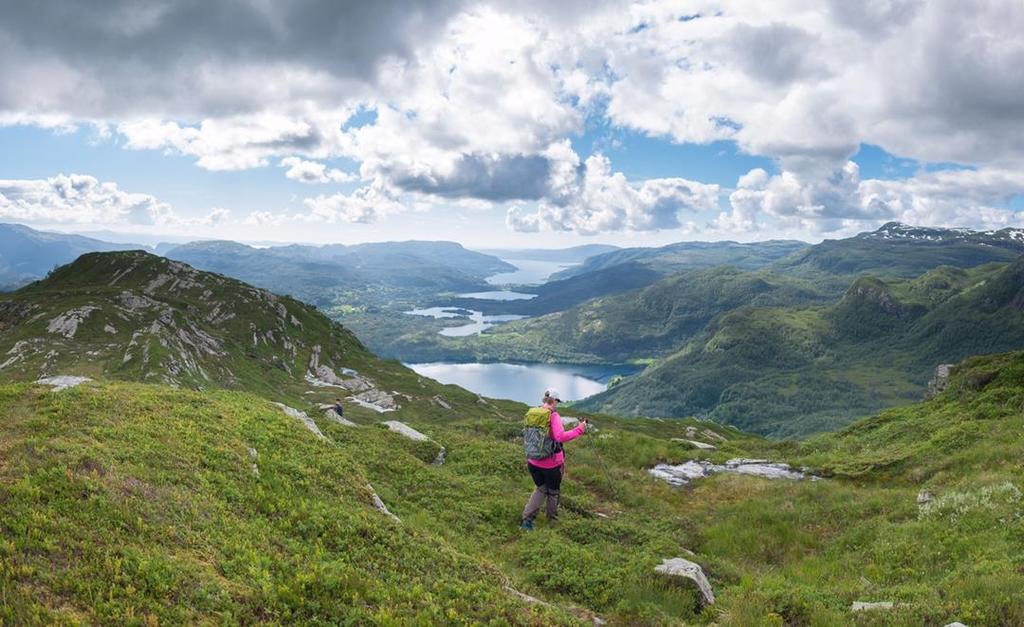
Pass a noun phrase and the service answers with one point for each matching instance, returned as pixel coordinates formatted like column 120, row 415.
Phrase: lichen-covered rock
column 341, row 420
column 302, row 417
column 406, row 430
column 437, row 400
column 253, row 455
column 684, row 568
column 682, row 474
column 63, row 382
column 377, row 400
column 67, row 323
column 700, row 445
column 379, row 504
column 416, row 436
column 940, row 381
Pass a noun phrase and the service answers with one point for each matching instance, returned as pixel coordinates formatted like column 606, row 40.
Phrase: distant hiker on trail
column 338, row 409
column 543, row 437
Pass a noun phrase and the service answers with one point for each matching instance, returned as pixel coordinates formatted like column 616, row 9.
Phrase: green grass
column 136, row 504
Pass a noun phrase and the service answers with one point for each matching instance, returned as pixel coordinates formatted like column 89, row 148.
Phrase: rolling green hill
column 788, row 371
column 132, row 315
column 683, row 256
column 652, row 321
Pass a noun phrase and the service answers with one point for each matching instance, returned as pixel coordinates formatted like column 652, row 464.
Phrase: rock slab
column 680, row 567
column 701, row 445
column 302, row 417
column 865, row 606
column 682, row 474
column 63, row 382
column 404, row 429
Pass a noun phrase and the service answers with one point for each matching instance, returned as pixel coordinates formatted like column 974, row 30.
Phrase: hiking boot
column 527, row 525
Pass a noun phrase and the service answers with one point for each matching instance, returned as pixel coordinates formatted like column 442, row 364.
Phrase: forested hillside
column 795, row 370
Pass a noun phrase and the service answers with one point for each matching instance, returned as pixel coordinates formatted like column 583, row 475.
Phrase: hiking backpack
column 537, row 438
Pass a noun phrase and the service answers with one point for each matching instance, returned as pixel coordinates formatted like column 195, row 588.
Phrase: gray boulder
column 684, row 568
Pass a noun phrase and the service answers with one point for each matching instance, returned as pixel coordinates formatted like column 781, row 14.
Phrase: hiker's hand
column 586, row 424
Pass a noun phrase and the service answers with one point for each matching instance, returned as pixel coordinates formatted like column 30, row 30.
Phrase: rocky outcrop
column 406, row 430
column 67, row 323
column 21, row 350
column 707, row 434
column 940, row 381
column 440, row 402
column 413, row 434
column 379, row 504
column 684, row 568
column 319, row 374
column 682, row 474
column 330, row 414
column 377, row 400
column 133, row 302
column 302, row 417
column 63, row 382
column 697, row 444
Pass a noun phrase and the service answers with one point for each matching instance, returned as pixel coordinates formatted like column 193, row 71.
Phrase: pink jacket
column 559, row 433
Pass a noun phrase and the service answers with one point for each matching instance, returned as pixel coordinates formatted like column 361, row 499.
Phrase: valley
column 784, row 340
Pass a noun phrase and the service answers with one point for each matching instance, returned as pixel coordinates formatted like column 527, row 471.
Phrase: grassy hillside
column 789, row 371
column 140, row 504
column 145, row 503
column 131, row 315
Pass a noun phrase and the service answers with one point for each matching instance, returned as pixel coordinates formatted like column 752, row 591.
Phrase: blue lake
column 524, row 382
column 528, row 272
column 496, row 295
column 477, row 320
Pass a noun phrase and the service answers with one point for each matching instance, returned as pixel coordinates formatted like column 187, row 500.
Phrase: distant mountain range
column 27, row 254
column 682, row 256
column 365, row 274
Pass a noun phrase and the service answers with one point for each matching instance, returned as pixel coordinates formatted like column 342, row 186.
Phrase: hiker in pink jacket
column 547, row 472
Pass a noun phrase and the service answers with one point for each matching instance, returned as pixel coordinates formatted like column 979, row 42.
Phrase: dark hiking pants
column 548, row 482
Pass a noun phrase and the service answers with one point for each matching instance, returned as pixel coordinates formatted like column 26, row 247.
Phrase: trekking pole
column 604, row 468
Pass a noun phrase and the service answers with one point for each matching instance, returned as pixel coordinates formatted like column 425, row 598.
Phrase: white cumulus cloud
column 314, row 172
column 78, row 198
column 598, row 199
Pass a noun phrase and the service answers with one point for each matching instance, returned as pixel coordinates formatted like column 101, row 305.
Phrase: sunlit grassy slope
column 127, row 502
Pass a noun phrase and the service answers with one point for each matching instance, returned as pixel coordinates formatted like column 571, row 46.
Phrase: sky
column 511, row 124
